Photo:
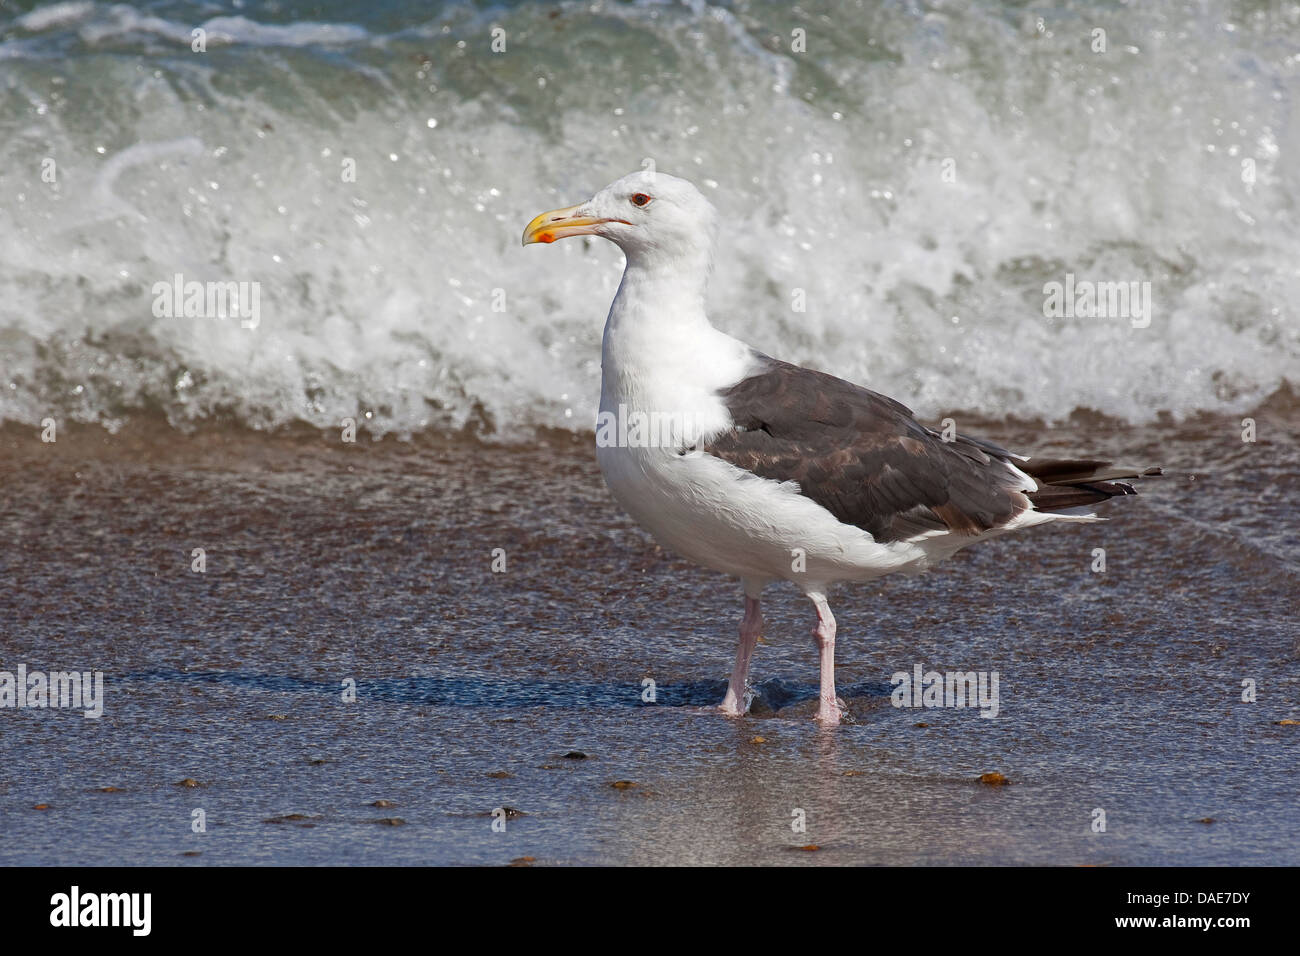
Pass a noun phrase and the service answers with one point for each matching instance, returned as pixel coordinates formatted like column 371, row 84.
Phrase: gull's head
column 648, row 214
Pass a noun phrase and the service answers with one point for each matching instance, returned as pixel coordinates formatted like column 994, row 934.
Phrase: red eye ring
column 640, row 199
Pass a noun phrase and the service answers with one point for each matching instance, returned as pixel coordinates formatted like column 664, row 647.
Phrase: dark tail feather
column 1073, row 483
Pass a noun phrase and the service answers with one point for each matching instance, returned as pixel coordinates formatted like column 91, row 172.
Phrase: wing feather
column 863, row 457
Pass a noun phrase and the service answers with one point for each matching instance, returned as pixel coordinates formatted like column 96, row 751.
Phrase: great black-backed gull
column 765, row 470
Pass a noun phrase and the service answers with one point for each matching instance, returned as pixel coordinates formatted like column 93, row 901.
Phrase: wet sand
column 478, row 690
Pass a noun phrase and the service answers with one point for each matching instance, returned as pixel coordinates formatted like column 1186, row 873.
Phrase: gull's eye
column 640, row 199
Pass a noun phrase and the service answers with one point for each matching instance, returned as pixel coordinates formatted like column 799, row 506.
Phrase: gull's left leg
column 751, row 628
column 828, row 708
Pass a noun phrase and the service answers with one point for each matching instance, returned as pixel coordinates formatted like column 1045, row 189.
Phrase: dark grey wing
column 864, row 457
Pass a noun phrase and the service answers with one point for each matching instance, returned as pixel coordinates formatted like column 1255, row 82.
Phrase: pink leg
column 828, row 708
column 734, row 704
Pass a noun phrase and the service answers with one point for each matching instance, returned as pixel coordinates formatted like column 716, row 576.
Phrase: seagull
column 768, row 471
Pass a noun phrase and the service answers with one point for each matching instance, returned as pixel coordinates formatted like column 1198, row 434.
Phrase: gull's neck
column 659, row 345
column 662, row 294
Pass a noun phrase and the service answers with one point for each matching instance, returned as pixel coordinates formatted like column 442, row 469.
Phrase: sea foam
column 895, row 200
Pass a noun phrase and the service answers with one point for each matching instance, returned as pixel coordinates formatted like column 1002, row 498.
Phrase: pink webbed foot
column 831, row 714
column 730, row 707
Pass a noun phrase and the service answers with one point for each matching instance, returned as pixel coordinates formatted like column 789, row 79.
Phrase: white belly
column 725, row 518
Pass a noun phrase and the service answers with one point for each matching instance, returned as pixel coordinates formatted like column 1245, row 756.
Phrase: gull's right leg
column 829, row 711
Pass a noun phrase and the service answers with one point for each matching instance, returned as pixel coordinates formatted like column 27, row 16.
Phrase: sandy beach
column 521, row 690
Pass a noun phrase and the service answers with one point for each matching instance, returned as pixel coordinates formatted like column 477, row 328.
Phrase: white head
column 651, row 216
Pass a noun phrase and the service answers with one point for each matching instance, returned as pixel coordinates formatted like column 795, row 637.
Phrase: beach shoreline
column 476, row 688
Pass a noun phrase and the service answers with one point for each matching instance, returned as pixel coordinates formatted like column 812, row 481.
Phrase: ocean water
column 916, row 173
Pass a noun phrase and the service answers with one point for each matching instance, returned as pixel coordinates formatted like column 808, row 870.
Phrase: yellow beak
column 561, row 223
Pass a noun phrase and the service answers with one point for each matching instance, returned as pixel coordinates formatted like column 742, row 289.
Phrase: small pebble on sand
column 293, row 818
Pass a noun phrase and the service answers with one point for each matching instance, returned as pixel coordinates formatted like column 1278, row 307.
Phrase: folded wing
column 864, row 458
